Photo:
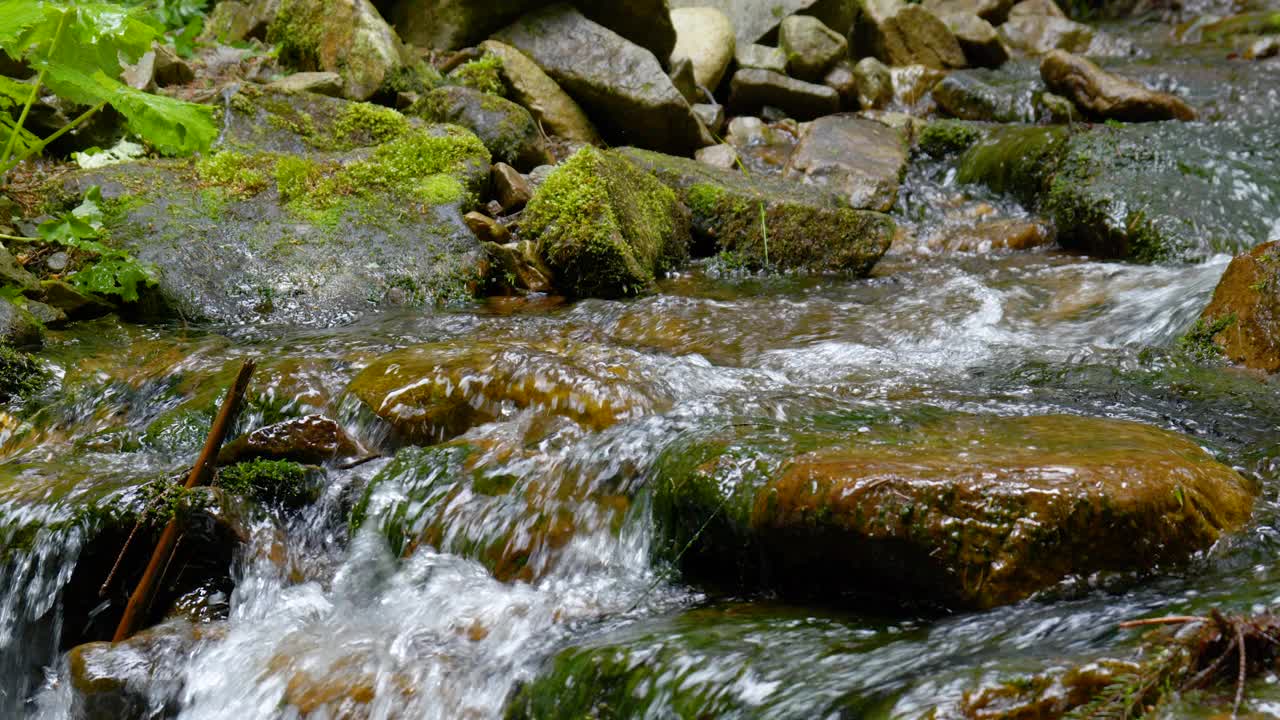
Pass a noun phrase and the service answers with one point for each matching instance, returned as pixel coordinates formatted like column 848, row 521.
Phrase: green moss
column 1199, row 340
column 945, row 137
column 240, row 174
column 297, row 34
column 295, row 177
column 1019, row 160
column 274, row 481
column 484, row 74
column 368, row 124
column 704, row 198
column 407, row 164
column 441, row 189
column 20, row 375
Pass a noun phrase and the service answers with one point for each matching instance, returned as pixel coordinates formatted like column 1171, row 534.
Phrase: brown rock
column 861, row 160
column 313, row 439
column 1243, row 319
column 518, row 267
column 170, row 68
column 1102, row 95
column 981, row 44
column 486, row 228
column 509, row 187
column 843, row 80
column 1006, row 234
column 1033, row 8
column 915, row 36
column 555, row 111
column 993, row 11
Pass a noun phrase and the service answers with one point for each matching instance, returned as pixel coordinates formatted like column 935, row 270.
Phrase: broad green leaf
column 20, row 16
column 99, row 35
column 12, row 92
column 114, row 274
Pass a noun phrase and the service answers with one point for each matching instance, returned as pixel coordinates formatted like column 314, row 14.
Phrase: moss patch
column 484, row 74
column 278, row 482
column 20, row 375
column 946, row 137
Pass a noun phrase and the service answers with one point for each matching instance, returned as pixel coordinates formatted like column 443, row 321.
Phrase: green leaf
column 114, row 274
column 12, row 92
column 20, row 16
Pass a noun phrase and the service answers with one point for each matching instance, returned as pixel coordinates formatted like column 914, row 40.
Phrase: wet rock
column 77, row 305
column 506, row 129
column 1007, row 234
column 807, row 227
column 1102, row 95
column 431, row 393
column 952, row 510
column 313, row 440
column 46, row 315
column 348, row 37
column 18, row 327
column 113, row 681
column 315, row 210
column 939, row 138
column 711, row 116
column 323, row 83
column 620, row 84
column 861, row 160
column 761, row 57
column 277, row 483
column 705, row 36
column 231, row 21
column 874, row 82
column 982, row 46
column 509, row 187
column 811, row 48
column 1243, row 319
column 646, row 23
column 968, row 95
column 528, row 85
column 1263, row 48
column 913, row 83
column 1055, row 109
column 20, row 374
column 752, row 89
column 906, row 34
column 1039, row 34
column 14, row 274
column 518, row 267
column 993, row 11
column 605, row 227
column 487, row 229
column 1036, row 8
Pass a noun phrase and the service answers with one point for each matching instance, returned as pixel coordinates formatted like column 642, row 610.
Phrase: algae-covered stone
column 18, row 327
column 605, row 227
column 507, row 130
column 551, row 106
column 348, row 37
column 622, row 86
column 20, row 374
column 1015, row 159
column 311, row 439
column 1243, row 319
column 434, row 392
column 975, row 95
column 1105, row 96
column 768, row 222
column 315, row 211
column 954, row 510
column 939, row 138
column 860, row 159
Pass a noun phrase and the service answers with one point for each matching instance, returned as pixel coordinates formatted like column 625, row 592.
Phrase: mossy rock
column 20, row 375
column 348, row 37
column 507, row 130
column 463, row 498
column 1242, row 321
column 314, row 211
column 1015, row 159
column 940, row 138
column 770, row 222
column 431, row 393
column 274, row 482
column 605, row 227
column 940, row 509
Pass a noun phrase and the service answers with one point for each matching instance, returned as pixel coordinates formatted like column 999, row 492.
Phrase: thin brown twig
column 1167, row 620
column 1235, row 708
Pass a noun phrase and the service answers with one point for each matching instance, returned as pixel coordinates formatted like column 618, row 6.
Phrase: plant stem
column 31, row 99
column 18, row 238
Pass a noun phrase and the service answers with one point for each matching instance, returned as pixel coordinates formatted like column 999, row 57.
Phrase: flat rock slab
column 862, row 160
column 954, row 510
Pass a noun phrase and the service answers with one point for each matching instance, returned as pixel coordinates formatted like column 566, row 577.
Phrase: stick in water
column 141, row 597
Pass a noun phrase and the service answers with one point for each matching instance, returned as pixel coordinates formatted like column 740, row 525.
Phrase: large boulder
column 621, row 85
column 506, row 129
column 860, row 159
column 769, row 222
column 605, row 227
column 811, row 47
column 348, row 37
column 314, row 210
column 705, row 36
column 757, row 21
column 959, row 511
column 1243, row 319
column 434, row 392
column 1104, row 96
column 752, row 89
column 532, row 88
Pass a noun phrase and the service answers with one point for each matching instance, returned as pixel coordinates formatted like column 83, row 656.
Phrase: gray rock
column 507, row 130
column 509, row 187
column 18, row 327
column 614, row 80
column 860, row 159
column 1103, row 95
column 646, row 23
column 811, row 48
column 843, row 80
column 551, row 106
column 1033, row 8
column 978, row 39
column 230, row 21
column 57, row 262
column 874, row 82
column 12, row 273
column 807, row 226
column 712, row 116
column 47, row 315
column 705, row 36
column 757, row 21
column 993, row 11
column 323, row 83
column 1039, row 34
column 761, row 57
column 348, row 37
column 722, row 156
column 967, row 95
column 752, row 89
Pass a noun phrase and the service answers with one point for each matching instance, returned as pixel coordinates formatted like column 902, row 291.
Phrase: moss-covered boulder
column 464, row 498
column 1243, row 319
column 984, row 95
column 939, row 509
column 20, row 374
column 507, row 130
column 770, row 222
column 348, row 37
column 605, row 227
column 1148, row 192
column 430, row 393
column 313, row 210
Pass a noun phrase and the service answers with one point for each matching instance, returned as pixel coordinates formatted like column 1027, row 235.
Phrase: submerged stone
column 770, row 222
column 605, row 227
column 952, row 510
column 312, row 439
column 1243, row 319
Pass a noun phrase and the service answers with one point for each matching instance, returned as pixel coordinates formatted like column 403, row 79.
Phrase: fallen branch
column 142, row 593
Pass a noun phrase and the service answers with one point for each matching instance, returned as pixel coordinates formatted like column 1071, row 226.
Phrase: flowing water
column 331, row 621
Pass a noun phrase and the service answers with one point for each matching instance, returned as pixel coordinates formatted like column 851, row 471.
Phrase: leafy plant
column 114, row 272
column 77, row 49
